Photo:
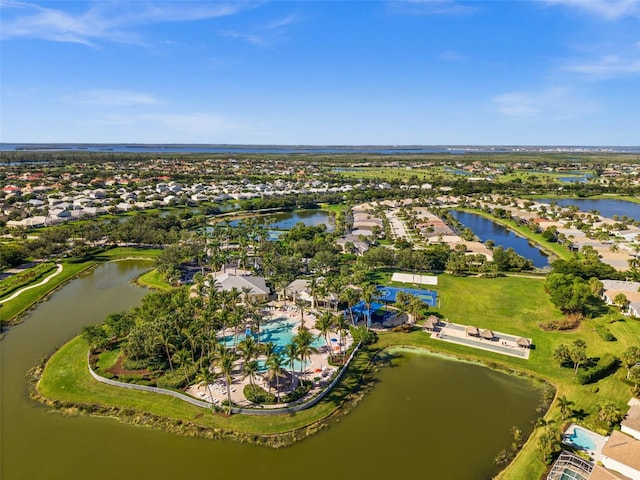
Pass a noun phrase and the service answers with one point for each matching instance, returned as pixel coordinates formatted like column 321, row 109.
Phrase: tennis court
column 389, row 294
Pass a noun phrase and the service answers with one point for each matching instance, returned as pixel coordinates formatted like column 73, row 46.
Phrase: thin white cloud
column 551, row 103
column 431, row 7
column 606, row 9
column 247, row 37
column 103, row 21
column 607, row 66
column 284, row 22
column 112, row 98
column 264, row 35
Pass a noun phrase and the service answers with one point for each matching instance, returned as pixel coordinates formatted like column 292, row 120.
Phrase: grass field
column 153, row 279
column 514, row 305
column 66, row 378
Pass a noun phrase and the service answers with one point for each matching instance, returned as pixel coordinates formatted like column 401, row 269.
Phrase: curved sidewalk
column 16, row 294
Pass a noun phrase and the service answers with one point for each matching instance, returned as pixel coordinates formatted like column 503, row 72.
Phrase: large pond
column 608, row 207
column 486, row 229
column 287, row 220
column 442, row 418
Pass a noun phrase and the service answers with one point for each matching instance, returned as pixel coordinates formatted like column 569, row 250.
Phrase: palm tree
column 342, row 327
column 565, row 406
column 183, row 358
column 225, row 362
column 250, row 369
column 291, row 352
column 369, row 293
column 274, row 366
column 301, row 304
column 207, row 377
column 165, row 337
column 416, row 306
column 248, row 349
column 351, row 297
column 324, row 324
column 304, row 340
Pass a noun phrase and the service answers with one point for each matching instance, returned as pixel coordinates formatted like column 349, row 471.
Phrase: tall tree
column 565, row 406
column 225, row 362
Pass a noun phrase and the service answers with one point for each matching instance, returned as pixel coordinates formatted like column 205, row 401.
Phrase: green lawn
column 514, row 305
column 12, row 309
column 66, row 378
column 153, row 279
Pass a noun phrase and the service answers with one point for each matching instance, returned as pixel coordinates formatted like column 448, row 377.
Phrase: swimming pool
column 280, row 333
column 389, row 294
column 583, row 439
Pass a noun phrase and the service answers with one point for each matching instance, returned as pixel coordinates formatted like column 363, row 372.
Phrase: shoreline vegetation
column 512, row 303
column 525, row 460
column 63, row 392
column 524, row 289
column 16, row 310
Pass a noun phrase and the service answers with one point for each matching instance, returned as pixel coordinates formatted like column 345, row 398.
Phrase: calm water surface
column 486, row 229
column 608, row 207
column 287, row 220
column 425, row 414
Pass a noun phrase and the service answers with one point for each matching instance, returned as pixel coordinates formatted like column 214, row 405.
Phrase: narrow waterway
column 486, row 229
column 427, row 414
column 608, row 207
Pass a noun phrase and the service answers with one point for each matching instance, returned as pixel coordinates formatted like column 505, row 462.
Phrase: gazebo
column 472, row 331
column 487, row 334
column 431, row 323
column 523, row 342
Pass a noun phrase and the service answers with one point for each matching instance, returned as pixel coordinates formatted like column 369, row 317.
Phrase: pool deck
column 503, row 343
column 598, row 440
column 317, row 370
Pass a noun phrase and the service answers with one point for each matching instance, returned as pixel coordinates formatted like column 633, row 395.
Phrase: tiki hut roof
column 431, row 322
column 523, row 342
column 487, row 334
column 471, row 330
column 284, row 380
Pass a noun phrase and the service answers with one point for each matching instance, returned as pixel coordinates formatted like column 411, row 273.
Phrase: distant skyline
column 419, row 72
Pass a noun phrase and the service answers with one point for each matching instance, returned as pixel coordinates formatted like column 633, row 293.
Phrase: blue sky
column 428, row 72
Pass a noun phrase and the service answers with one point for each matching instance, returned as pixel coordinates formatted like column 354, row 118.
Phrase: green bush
column 606, row 365
column 300, row 391
column 172, row 380
column 605, row 334
column 256, row 394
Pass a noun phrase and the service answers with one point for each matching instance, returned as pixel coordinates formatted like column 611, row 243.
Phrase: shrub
column 256, row 394
column 606, row 365
column 172, row 380
column 300, row 391
column 566, row 323
column 605, row 334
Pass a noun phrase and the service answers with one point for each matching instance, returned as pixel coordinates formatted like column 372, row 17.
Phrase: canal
column 486, row 229
column 608, row 207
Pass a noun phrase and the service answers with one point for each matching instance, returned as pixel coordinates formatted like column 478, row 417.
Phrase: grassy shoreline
column 13, row 311
column 549, row 247
column 515, row 305
column 65, row 384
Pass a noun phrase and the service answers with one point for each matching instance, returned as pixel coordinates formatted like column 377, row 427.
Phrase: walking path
column 16, row 294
